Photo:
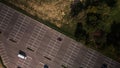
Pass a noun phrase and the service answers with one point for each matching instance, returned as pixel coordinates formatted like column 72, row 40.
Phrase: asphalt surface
column 43, row 45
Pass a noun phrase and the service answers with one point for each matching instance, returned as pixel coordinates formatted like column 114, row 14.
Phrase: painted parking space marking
column 19, row 29
column 36, row 37
column 25, row 63
column 89, row 59
column 70, row 55
column 40, row 65
column 5, row 17
column 53, row 46
column 3, row 54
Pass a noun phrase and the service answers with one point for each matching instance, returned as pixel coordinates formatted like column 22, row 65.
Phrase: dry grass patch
column 53, row 11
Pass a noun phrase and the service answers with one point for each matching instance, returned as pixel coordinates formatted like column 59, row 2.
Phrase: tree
column 76, row 8
column 92, row 19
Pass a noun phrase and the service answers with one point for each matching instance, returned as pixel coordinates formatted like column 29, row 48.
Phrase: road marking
column 6, row 15
column 4, row 54
column 36, row 37
column 24, row 63
column 53, row 46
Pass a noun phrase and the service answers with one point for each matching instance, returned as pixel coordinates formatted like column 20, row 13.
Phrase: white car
column 22, row 55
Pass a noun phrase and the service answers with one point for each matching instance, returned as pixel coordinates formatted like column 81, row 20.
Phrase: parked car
column 22, row 54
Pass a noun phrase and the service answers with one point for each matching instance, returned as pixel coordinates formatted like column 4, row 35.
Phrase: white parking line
column 40, row 65
column 19, row 27
column 6, row 14
column 71, row 54
column 3, row 54
column 3, row 18
column 89, row 59
column 36, row 37
column 53, row 46
column 24, row 63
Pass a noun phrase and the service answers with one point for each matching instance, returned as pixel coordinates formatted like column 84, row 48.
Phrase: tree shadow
column 80, row 33
column 114, row 36
column 110, row 3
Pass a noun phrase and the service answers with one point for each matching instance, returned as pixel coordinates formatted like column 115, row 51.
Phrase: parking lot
column 42, row 45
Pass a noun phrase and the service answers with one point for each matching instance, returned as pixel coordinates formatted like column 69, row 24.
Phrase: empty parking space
column 36, row 37
column 3, row 54
column 5, row 18
column 19, row 29
column 53, row 46
column 90, row 59
column 24, row 63
column 109, row 62
column 71, row 54
column 40, row 65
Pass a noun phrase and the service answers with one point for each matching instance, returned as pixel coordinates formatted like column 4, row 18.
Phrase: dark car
column 104, row 66
column 46, row 66
column 18, row 67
